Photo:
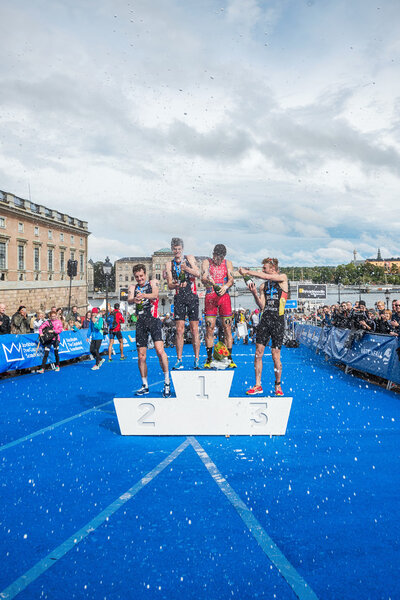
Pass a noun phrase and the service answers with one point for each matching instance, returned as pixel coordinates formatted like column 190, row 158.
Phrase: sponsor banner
column 374, row 354
column 291, row 304
column 311, row 291
column 24, row 351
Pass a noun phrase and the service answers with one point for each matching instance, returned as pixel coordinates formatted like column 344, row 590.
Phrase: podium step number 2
column 203, row 407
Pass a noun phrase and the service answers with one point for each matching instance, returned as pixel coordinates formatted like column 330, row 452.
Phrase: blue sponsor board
column 25, row 351
column 373, row 353
column 291, row 304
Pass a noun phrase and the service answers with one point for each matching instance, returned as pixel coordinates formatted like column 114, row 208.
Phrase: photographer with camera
column 49, row 336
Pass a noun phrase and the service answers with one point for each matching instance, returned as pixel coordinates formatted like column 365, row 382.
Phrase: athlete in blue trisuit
column 182, row 272
column 271, row 301
column 145, row 297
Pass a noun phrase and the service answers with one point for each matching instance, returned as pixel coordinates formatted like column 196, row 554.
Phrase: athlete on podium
column 271, row 301
column 182, row 271
column 145, row 297
column 217, row 277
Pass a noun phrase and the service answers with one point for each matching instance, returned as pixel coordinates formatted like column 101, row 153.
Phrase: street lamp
column 387, row 296
column 338, row 289
column 107, row 268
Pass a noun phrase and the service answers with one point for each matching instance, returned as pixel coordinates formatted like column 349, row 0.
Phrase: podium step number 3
column 203, row 407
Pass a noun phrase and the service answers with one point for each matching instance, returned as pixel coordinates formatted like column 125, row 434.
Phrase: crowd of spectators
column 358, row 317
column 22, row 322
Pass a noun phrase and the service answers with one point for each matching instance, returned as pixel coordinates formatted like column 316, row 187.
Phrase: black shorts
column 115, row 334
column 271, row 328
column 148, row 325
column 186, row 303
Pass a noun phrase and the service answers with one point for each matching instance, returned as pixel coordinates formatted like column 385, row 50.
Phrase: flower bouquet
column 220, row 356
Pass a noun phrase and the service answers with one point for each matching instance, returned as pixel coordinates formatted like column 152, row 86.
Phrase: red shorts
column 215, row 304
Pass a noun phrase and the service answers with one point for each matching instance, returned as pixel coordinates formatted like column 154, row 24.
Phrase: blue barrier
column 373, row 353
column 24, row 351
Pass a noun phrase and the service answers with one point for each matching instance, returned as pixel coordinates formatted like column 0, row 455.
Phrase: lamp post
column 387, row 296
column 338, row 289
column 107, row 268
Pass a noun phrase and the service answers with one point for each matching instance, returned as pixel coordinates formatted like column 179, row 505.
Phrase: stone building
column 156, row 269
column 391, row 265
column 36, row 243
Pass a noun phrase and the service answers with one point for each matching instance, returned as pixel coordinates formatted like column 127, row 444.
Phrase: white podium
column 203, row 407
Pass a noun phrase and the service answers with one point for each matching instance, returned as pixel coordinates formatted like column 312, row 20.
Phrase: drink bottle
column 247, row 280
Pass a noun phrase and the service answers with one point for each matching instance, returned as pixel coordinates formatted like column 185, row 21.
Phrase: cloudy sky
column 272, row 126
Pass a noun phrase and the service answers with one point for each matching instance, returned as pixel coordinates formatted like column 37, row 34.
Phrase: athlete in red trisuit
column 271, row 301
column 217, row 277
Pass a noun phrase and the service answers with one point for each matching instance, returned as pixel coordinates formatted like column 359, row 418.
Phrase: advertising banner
column 311, row 291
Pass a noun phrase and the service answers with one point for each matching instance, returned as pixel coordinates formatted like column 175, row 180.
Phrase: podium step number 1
column 203, row 407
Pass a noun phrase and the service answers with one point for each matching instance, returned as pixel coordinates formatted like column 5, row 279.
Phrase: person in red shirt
column 114, row 321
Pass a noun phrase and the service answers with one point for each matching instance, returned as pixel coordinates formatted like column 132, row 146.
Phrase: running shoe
column 178, row 365
column 40, row 371
column 57, row 368
column 110, row 360
column 257, row 389
column 143, row 390
column 123, row 358
column 278, row 392
column 207, row 364
column 167, row 390
column 103, row 360
column 95, row 368
column 232, row 365
column 196, row 363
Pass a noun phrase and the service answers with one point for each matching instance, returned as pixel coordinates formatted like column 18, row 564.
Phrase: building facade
column 36, row 243
column 156, row 266
column 391, row 265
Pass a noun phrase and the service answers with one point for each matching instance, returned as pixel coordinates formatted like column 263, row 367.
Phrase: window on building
column 50, row 234
column 72, row 257
column 81, row 241
column 62, row 261
column 158, row 276
column 21, row 257
column 50, row 259
column 158, row 266
column 2, row 222
column 120, row 278
column 20, row 228
column 61, row 237
column 126, row 277
column 72, row 239
column 36, row 258
column 81, row 263
column 36, row 231
column 3, row 255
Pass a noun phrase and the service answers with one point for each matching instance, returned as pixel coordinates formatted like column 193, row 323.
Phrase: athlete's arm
column 205, row 277
column 154, row 291
column 230, row 281
column 131, row 293
column 194, row 271
column 279, row 277
column 260, row 299
column 172, row 285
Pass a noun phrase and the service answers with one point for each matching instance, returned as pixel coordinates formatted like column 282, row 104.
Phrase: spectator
column 38, row 321
column 86, row 320
column 49, row 335
column 114, row 322
column 61, row 317
column 5, row 323
column 384, row 324
column 20, row 321
column 73, row 325
column 95, row 334
column 396, row 314
column 74, row 314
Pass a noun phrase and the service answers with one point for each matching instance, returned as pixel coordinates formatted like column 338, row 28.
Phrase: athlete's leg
column 142, row 351
column 276, row 357
column 110, row 345
column 163, row 358
column 210, row 326
column 227, row 325
column 194, row 329
column 180, row 329
column 121, row 347
column 258, row 364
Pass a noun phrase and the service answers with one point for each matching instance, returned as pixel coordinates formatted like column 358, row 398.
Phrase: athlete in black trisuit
column 182, row 271
column 145, row 296
column 271, row 301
